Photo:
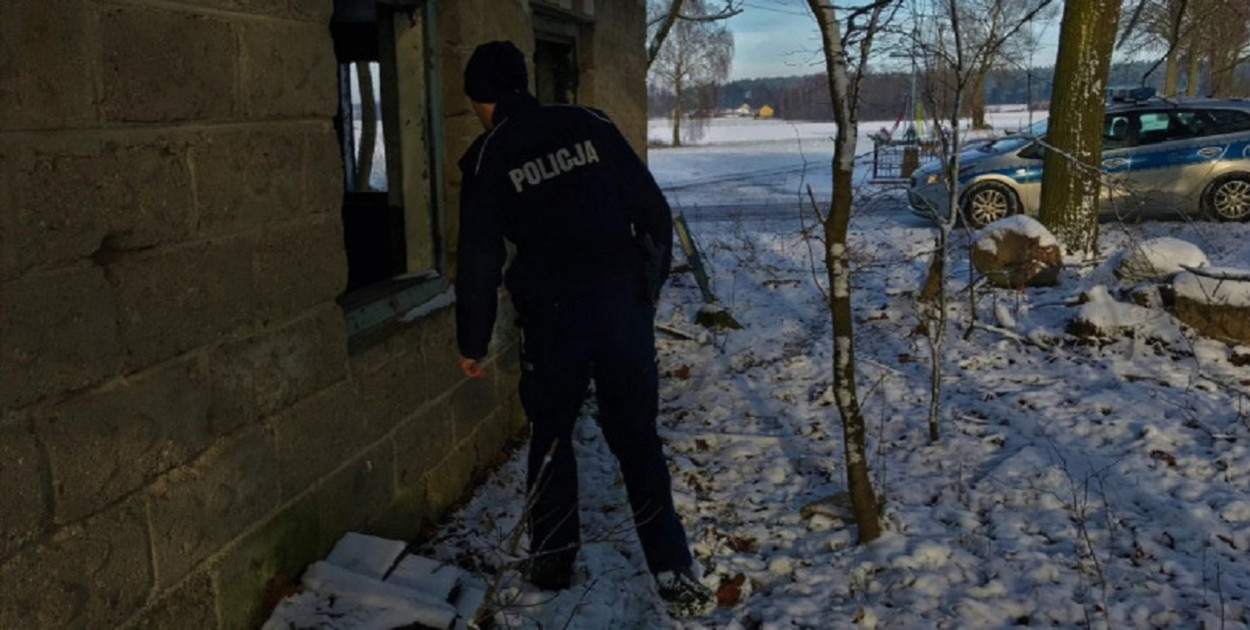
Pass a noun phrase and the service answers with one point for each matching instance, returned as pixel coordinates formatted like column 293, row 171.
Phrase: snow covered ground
column 1102, row 485
column 757, row 168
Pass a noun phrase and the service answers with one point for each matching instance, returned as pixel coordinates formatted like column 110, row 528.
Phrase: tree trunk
column 661, row 33
column 1070, row 177
column 1171, row 71
column 838, row 268
column 1226, row 38
column 1191, row 75
column 677, row 113
column 1223, row 63
column 976, row 100
column 368, row 126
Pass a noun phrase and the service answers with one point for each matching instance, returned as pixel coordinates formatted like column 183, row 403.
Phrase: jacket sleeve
column 648, row 209
column 480, row 259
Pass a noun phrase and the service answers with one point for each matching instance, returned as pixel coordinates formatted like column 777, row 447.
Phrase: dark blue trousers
column 606, row 335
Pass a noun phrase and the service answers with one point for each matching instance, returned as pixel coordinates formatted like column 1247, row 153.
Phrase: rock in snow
column 1017, row 252
column 1158, row 259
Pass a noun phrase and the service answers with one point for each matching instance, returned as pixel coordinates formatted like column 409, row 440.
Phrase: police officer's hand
column 472, row 368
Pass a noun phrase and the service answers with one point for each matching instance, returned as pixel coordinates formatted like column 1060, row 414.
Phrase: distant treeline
column 884, row 96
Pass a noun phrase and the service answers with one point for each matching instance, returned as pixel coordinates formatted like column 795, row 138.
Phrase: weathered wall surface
column 610, row 78
column 616, row 82
column 180, row 419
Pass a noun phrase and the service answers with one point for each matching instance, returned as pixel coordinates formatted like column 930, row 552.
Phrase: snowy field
column 761, row 168
column 1075, row 485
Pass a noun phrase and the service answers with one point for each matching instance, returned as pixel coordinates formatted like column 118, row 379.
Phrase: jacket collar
column 511, row 105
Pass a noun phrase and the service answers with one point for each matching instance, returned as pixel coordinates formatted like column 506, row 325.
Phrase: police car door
column 1204, row 152
column 1118, row 135
column 1152, row 174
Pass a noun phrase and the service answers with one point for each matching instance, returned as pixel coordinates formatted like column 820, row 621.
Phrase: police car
column 1160, row 158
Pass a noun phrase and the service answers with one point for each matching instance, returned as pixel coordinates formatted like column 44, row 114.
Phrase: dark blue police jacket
column 563, row 185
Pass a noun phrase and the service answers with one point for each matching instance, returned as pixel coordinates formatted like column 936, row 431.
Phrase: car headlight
column 932, row 178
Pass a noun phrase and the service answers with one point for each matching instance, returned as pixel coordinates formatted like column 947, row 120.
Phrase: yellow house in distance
column 765, row 111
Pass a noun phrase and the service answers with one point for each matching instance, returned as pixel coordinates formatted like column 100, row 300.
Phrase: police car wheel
column 987, row 202
column 1228, row 199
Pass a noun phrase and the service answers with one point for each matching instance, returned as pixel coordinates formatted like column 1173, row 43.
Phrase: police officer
column 593, row 237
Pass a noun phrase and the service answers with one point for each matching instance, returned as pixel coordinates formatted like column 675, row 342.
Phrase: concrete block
column 405, row 608
column 191, row 604
column 323, row 171
column 474, row 401
column 316, row 436
column 402, row 341
column 391, row 394
column 311, row 10
column 266, row 560
column 288, row 70
column 367, row 555
column 48, row 75
column 105, row 444
column 71, row 198
column 426, row 575
column 359, row 492
column 10, row 257
column 60, row 334
column 423, row 442
column 25, row 508
column 451, row 477
column 248, row 178
column 94, row 574
column 439, row 349
column 270, row 371
column 408, row 516
column 197, row 509
column 159, row 66
column 299, row 266
column 494, row 437
column 256, row 7
column 173, row 300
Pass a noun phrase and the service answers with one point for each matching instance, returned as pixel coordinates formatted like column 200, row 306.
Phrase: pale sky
column 777, row 38
column 774, row 38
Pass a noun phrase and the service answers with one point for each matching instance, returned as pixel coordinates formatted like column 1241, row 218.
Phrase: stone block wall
column 182, row 426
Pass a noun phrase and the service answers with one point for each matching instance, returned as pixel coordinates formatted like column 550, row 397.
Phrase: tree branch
column 674, row 13
column 661, row 34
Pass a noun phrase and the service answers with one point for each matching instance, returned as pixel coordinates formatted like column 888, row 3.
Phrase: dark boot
column 683, row 594
column 550, row 571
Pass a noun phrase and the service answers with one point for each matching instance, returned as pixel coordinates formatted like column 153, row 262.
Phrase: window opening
column 1230, row 120
column 555, row 71
column 391, row 170
column 1154, row 128
column 1116, row 135
column 363, row 132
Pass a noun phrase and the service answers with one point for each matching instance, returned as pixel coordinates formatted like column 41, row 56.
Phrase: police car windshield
column 1017, row 139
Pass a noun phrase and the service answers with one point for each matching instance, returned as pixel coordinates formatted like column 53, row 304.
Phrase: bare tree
column 695, row 54
column 953, row 64
column 993, row 31
column 1226, row 39
column 662, row 16
column 1162, row 23
column 1206, row 34
column 856, row 28
column 1071, row 171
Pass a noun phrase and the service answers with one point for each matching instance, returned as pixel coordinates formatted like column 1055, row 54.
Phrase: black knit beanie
column 496, row 70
